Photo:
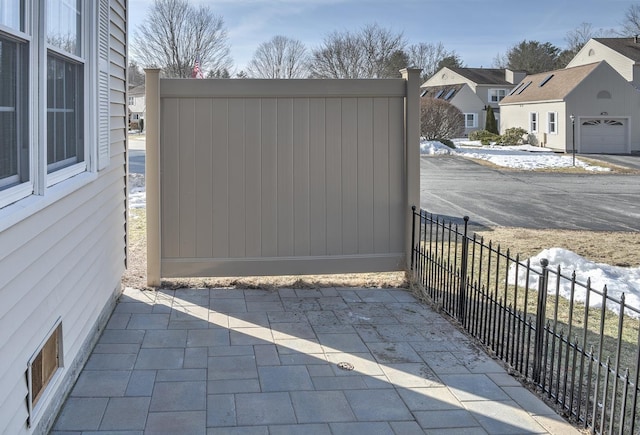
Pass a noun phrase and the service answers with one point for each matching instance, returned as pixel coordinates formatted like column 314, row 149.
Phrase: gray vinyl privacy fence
column 279, row 177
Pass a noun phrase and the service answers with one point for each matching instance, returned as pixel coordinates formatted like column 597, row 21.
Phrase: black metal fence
column 579, row 346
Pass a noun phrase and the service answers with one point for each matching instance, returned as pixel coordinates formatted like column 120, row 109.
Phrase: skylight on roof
column 513, row 91
column 449, row 94
column 546, row 79
column 524, row 87
column 423, row 93
column 440, row 92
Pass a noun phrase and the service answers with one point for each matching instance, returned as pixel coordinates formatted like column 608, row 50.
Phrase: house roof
column 628, row 47
column 136, row 90
column 442, row 92
column 551, row 85
column 483, row 76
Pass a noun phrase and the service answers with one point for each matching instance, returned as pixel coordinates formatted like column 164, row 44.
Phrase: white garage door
column 603, row 136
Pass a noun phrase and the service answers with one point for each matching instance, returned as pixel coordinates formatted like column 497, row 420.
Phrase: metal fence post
column 540, row 318
column 462, row 291
column 413, row 235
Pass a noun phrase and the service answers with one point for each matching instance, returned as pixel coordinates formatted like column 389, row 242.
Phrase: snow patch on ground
column 618, row 280
column 137, row 193
column 524, row 157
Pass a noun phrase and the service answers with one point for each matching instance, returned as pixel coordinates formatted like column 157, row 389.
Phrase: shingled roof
column 483, row 76
column 626, row 46
column 551, row 85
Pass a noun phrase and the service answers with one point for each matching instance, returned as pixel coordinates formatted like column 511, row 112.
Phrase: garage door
column 603, row 136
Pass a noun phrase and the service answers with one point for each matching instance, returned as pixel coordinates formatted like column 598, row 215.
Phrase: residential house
column 623, row 54
column 62, row 196
column 593, row 100
column 472, row 91
column 136, row 104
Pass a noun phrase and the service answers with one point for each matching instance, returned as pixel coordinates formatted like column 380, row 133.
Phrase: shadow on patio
column 293, row 361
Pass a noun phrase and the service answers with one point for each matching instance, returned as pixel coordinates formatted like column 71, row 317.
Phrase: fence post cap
column 544, row 262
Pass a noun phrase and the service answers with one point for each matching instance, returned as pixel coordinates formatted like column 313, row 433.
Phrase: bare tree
column 429, row 57
column 370, row 53
column 440, row 119
column 134, row 75
column 279, row 58
column 576, row 39
column 631, row 22
column 176, row 33
column 339, row 57
column 381, row 48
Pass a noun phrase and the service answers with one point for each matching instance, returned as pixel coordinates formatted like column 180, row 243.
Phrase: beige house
column 472, row 90
column 62, row 196
column 623, row 54
column 594, row 100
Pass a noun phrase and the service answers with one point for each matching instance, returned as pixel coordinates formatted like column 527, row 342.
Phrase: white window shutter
column 104, row 146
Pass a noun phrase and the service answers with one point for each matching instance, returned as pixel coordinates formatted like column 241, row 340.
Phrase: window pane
column 65, row 144
column 11, row 14
column 64, row 25
column 14, row 155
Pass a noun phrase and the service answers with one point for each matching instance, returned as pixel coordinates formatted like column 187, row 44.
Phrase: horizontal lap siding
column 65, row 260
column 288, row 177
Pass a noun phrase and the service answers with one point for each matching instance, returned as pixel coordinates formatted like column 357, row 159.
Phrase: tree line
column 176, row 33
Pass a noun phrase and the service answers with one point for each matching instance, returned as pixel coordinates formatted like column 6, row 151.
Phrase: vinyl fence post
column 540, row 320
column 411, row 150
column 462, row 291
column 152, row 175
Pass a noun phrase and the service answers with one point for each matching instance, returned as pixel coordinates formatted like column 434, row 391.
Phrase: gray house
column 62, row 196
column 472, row 91
column 592, row 100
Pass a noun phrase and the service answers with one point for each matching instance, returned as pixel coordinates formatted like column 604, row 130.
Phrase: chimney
column 514, row 77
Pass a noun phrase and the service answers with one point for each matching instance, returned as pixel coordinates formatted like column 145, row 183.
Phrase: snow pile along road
column 524, row 157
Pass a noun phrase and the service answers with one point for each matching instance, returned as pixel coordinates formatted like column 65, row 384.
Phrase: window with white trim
column 496, row 95
column 48, row 97
column 533, row 122
column 552, row 122
column 470, row 120
column 132, row 101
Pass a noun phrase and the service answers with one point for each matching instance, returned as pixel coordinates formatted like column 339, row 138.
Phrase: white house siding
column 62, row 257
column 468, row 102
column 448, row 77
column 517, row 115
column 599, row 52
column 624, row 103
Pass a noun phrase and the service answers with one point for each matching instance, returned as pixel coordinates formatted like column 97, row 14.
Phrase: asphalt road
column 455, row 186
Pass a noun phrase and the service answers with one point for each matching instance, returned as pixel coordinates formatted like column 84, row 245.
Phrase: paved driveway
column 455, row 186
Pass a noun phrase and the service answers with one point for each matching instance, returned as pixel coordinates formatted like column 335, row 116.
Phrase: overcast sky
column 476, row 29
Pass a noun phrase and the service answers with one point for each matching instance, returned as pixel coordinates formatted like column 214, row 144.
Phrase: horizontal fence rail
column 578, row 345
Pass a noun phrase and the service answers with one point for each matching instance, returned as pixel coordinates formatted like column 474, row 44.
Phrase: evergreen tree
column 491, row 124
